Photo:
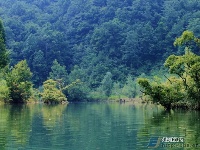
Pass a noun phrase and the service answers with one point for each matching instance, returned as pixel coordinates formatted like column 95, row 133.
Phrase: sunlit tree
column 19, row 82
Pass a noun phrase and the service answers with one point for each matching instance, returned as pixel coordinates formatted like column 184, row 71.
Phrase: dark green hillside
column 123, row 37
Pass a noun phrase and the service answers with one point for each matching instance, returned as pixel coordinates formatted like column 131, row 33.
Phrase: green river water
column 95, row 126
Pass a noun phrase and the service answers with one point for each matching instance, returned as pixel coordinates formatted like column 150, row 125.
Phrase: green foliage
column 144, row 83
column 186, row 37
column 175, row 64
column 190, row 68
column 78, row 92
column 58, row 71
column 19, row 82
column 184, row 87
column 127, row 91
column 116, row 90
column 78, row 89
column 39, row 68
column 164, row 93
column 125, row 37
column 107, row 84
column 3, row 52
column 51, row 94
column 130, row 88
column 4, row 91
column 187, row 67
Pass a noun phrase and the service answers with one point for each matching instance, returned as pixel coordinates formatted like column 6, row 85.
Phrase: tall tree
column 39, row 68
column 107, row 84
column 3, row 52
column 59, row 73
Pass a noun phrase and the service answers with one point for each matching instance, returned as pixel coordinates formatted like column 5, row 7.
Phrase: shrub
column 4, row 91
column 51, row 94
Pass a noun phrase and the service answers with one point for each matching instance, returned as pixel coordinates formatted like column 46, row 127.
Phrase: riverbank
column 185, row 105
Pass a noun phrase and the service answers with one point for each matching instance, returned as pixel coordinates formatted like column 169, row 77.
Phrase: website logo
column 155, row 142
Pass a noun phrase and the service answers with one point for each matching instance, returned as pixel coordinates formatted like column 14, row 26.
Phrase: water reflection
column 84, row 126
column 53, row 115
column 178, row 123
column 15, row 124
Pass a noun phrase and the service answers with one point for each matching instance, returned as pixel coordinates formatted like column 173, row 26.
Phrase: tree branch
column 168, row 79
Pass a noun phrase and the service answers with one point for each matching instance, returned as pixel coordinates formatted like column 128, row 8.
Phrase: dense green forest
column 104, row 44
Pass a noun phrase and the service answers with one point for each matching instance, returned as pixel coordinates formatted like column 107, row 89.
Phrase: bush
column 4, row 91
column 51, row 94
column 78, row 93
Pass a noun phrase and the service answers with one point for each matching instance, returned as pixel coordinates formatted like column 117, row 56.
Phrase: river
column 96, row 126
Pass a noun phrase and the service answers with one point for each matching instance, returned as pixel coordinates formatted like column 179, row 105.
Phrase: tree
column 185, row 86
column 19, row 82
column 4, row 89
column 129, row 88
column 78, row 88
column 116, row 90
column 186, row 39
column 125, row 36
column 3, row 52
column 78, row 92
column 107, row 84
column 164, row 93
column 109, row 38
column 51, row 94
column 39, row 68
column 187, row 66
column 58, row 72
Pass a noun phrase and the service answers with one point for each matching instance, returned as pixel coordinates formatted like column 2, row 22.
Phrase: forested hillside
column 94, row 40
